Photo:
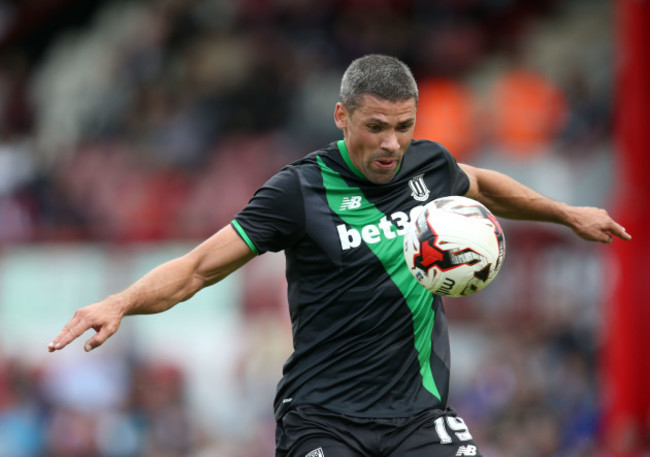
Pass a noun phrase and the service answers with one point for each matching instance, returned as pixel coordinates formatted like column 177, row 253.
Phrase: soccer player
column 369, row 375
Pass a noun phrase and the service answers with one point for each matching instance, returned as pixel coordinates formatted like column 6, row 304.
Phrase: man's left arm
column 510, row 199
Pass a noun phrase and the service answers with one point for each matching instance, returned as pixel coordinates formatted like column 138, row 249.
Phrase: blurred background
column 131, row 130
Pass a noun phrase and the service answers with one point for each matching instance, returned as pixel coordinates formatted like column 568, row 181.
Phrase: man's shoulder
column 425, row 154
column 290, row 174
column 328, row 153
column 427, row 146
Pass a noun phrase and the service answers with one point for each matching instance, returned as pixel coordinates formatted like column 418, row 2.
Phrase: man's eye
column 374, row 127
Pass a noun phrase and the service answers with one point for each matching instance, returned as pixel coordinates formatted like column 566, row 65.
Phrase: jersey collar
column 343, row 149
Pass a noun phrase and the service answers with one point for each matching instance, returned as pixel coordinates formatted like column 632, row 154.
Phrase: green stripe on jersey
column 343, row 149
column 390, row 253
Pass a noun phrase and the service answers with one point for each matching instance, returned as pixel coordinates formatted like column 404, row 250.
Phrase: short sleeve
column 458, row 179
column 274, row 216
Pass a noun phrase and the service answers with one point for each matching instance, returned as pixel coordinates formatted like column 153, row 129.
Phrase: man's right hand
column 104, row 317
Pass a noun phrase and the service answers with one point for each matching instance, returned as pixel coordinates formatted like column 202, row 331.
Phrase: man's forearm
column 510, row 199
column 160, row 289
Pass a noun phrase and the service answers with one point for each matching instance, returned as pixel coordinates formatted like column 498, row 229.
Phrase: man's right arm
column 163, row 287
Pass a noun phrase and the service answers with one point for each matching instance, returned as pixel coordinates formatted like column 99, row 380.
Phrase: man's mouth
column 386, row 164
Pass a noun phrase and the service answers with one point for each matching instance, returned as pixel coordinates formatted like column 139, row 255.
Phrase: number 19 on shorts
column 447, row 425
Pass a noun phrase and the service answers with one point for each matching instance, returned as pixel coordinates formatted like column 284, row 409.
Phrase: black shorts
column 308, row 431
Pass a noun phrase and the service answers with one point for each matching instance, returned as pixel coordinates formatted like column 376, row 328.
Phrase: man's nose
column 389, row 141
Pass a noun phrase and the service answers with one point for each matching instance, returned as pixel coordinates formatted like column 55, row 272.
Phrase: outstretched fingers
column 83, row 320
column 609, row 230
column 72, row 330
column 619, row 231
column 595, row 224
column 98, row 338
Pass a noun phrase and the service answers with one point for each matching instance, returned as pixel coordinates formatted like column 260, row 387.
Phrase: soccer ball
column 454, row 246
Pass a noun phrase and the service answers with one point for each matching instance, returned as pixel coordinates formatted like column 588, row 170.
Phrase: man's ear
column 340, row 116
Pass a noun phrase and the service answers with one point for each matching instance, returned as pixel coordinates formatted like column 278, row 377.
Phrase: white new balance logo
column 466, row 450
column 316, row 453
column 350, row 203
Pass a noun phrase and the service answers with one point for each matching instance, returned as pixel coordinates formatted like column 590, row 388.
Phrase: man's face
column 377, row 135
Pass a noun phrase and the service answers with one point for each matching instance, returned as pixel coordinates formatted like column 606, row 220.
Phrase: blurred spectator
column 16, row 111
column 589, row 115
column 446, row 113
column 21, row 421
column 527, row 112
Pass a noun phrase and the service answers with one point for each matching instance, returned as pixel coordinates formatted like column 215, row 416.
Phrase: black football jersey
column 369, row 340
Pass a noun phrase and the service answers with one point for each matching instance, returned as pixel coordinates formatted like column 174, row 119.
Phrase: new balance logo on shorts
column 316, row 453
column 466, row 450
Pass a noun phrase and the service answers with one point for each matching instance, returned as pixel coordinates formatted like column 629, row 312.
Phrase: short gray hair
column 383, row 76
